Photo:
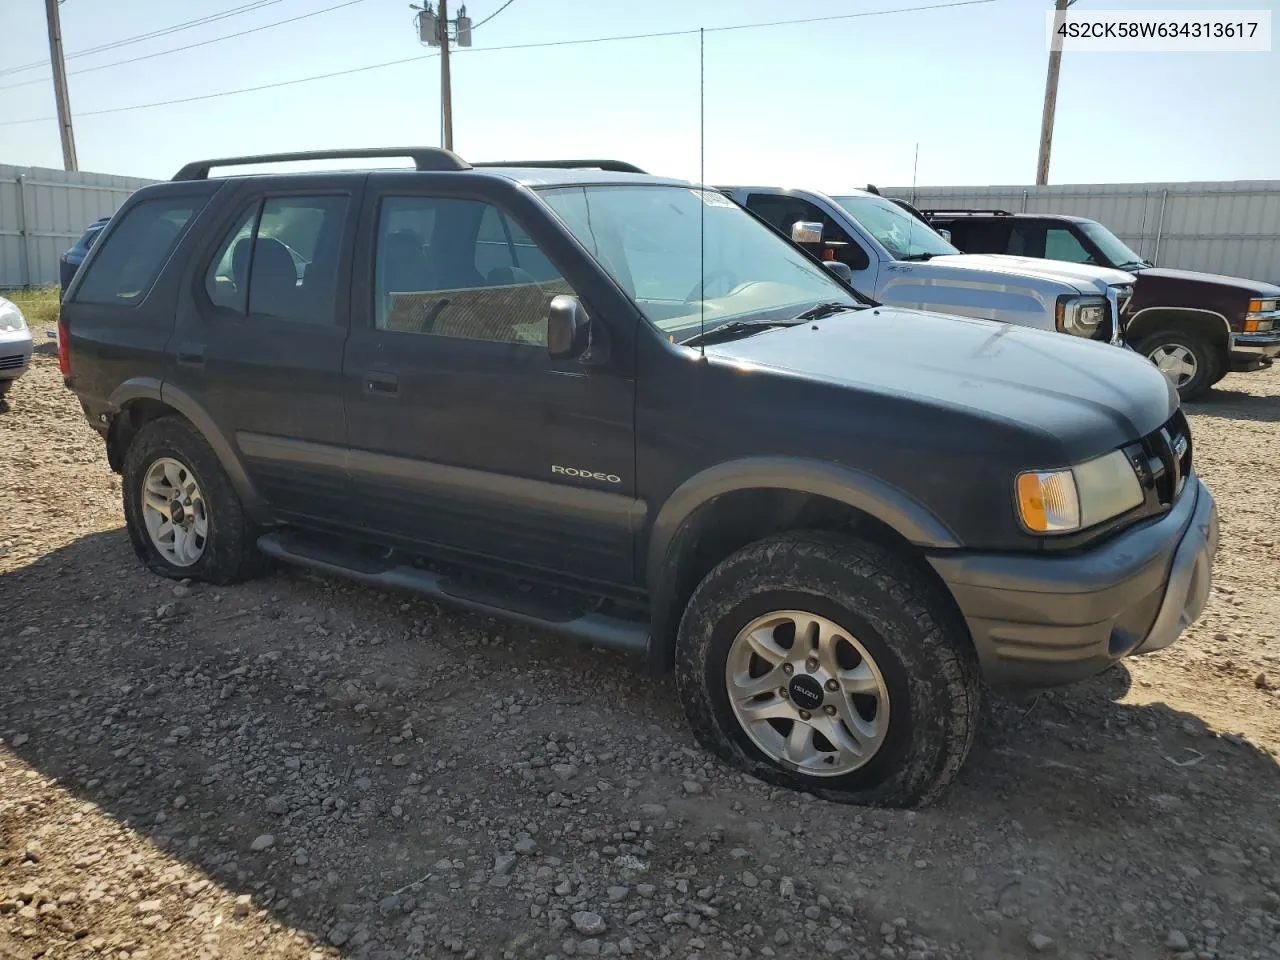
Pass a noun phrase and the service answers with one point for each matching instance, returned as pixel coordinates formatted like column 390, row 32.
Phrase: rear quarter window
column 132, row 256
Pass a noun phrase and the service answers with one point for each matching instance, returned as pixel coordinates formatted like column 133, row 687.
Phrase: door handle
column 381, row 381
column 191, row 354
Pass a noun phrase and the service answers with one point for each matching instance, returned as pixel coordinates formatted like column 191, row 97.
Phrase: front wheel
column 829, row 665
column 1188, row 360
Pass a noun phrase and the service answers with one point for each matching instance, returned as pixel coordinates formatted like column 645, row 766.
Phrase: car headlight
column 1079, row 497
column 1260, row 317
column 1081, row 316
column 11, row 317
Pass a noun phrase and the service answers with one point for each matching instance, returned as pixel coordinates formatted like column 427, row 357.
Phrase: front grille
column 1162, row 460
column 12, row 363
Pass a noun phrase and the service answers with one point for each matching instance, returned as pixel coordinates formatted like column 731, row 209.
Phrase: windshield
column 904, row 236
column 1112, row 247
column 648, row 238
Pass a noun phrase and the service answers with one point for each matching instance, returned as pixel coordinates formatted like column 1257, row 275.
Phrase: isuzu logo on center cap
column 806, row 692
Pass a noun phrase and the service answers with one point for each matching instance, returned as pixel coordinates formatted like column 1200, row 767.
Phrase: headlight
column 11, row 317
column 1081, row 316
column 1079, row 497
column 1259, row 319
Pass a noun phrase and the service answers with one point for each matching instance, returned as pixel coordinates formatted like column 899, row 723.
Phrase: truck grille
column 12, row 363
column 1162, row 460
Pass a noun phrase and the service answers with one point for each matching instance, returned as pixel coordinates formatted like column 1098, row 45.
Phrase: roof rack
column 424, row 158
column 613, row 166
column 967, row 213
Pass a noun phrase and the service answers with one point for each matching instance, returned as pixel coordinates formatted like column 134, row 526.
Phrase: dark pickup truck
column 522, row 390
column 1196, row 327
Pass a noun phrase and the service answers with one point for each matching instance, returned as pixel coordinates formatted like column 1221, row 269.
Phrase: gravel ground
column 299, row 767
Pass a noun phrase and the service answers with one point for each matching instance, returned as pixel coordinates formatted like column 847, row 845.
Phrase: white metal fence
column 43, row 211
column 1228, row 227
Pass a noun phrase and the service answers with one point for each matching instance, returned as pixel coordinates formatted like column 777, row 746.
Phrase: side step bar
column 614, row 633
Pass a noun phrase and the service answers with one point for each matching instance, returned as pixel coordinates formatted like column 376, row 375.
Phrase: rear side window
column 280, row 259
column 979, row 236
column 125, row 269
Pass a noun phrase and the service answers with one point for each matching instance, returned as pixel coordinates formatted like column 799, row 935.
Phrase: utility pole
column 433, row 31
column 60, row 86
column 1051, row 93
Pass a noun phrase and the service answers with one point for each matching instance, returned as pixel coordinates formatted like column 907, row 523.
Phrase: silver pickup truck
column 896, row 258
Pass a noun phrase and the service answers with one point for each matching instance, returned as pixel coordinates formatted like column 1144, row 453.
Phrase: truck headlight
column 1081, row 316
column 1261, row 316
column 1079, row 497
column 11, row 317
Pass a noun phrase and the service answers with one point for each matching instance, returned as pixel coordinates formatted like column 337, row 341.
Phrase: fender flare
column 1226, row 325
column 151, row 388
column 899, row 511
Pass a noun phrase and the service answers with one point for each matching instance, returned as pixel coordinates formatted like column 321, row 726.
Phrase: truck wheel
column 1187, row 359
column 828, row 665
column 183, row 516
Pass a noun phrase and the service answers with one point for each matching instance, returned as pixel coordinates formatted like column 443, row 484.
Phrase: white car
column 898, row 259
column 15, row 345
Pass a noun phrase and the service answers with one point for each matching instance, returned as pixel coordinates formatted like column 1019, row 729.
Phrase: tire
column 227, row 550
column 1175, row 346
column 918, row 648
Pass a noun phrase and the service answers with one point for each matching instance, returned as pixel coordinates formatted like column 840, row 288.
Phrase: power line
column 516, row 46
column 189, row 46
column 162, row 32
column 492, row 15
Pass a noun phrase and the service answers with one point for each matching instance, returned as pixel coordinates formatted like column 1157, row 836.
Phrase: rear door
column 464, row 432
column 260, row 334
column 974, row 235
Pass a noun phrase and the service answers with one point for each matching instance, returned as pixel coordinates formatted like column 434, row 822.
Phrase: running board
column 614, row 633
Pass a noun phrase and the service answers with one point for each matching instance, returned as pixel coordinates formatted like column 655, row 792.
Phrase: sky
column 830, row 105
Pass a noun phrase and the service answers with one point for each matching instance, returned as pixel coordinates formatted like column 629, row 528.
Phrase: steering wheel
column 699, row 288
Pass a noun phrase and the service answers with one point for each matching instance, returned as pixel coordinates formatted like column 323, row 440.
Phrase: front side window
column 1060, row 244
column 1118, row 252
column 905, row 237
column 687, row 256
column 125, row 269
column 460, row 268
column 281, row 259
column 781, row 212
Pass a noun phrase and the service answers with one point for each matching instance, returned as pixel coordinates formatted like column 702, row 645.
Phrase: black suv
column 620, row 408
column 1196, row 327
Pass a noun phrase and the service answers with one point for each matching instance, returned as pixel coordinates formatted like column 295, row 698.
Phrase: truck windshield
column 652, row 240
column 1112, row 247
column 904, row 236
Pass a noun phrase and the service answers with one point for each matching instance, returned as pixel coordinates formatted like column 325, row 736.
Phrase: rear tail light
column 64, row 349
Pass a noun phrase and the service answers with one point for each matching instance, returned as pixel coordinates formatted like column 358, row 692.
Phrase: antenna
column 915, row 169
column 702, row 189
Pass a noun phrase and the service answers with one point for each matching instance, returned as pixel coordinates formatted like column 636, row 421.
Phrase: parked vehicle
column 70, row 261
column 896, row 258
column 1196, row 327
column 15, row 345
column 523, row 392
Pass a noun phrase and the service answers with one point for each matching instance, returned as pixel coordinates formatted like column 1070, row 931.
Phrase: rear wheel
column 183, row 515
column 829, row 665
column 1187, row 359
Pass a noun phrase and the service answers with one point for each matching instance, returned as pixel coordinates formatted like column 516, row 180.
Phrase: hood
column 1256, row 289
column 1081, row 276
column 1078, row 397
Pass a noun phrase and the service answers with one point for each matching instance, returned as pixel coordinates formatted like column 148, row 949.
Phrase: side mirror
column 945, row 234
column 806, row 231
column 568, row 328
column 841, row 270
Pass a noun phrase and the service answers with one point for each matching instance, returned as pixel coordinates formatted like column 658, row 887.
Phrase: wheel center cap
column 805, row 691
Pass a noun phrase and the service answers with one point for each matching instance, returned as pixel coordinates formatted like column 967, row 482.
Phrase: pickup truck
column 620, row 409
column 896, row 258
column 1196, row 327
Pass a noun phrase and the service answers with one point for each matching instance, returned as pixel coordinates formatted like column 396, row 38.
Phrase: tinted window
column 1062, row 244
column 782, row 212
column 978, row 236
column 281, row 260
column 460, row 268
column 125, row 269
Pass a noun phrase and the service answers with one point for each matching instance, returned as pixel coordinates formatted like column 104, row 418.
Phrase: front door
column 782, row 210
column 463, row 432
column 259, row 340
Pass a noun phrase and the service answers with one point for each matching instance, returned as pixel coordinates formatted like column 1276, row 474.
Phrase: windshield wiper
column 826, row 309
column 915, row 257
column 1133, row 263
column 737, row 328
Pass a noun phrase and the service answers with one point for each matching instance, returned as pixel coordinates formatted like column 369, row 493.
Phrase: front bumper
column 1042, row 620
column 15, row 353
column 1256, row 344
